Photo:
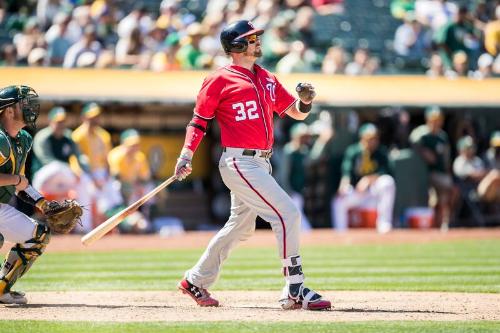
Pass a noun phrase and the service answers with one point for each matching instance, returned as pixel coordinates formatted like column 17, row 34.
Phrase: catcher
column 19, row 107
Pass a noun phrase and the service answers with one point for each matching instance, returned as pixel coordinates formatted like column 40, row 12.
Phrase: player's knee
column 386, row 182
column 41, row 237
column 293, row 215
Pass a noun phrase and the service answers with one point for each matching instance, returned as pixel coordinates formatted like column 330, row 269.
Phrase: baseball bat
column 114, row 220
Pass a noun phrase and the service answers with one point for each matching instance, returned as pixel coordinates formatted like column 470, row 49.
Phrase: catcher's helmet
column 26, row 97
column 233, row 36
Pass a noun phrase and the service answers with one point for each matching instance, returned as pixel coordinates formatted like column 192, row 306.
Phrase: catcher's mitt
column 306, row 92
column 62, row 217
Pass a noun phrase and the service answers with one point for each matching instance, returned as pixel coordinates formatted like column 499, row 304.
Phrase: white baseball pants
column 15, row 226
column 253, row 192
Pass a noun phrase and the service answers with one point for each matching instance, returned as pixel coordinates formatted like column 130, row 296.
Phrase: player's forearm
column 32, row 197
column 195, row 131
column 9, row 179
column 298, row 112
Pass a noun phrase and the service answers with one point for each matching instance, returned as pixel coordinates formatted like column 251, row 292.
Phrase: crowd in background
column 439, row 37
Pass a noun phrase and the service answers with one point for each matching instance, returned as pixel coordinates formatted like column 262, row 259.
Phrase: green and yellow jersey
column 359, row 162
column 13, row 154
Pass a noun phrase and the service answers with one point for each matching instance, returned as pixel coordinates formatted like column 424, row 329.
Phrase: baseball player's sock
column 295, row 295
column 201, row 296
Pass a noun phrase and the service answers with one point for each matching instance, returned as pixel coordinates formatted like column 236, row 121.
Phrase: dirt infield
column 253, row 306
column 122, row 306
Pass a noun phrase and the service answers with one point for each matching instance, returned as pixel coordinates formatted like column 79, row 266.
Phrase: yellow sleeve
column 144, row 172
column 106, row 139
column 114, row 161
column 491, row 38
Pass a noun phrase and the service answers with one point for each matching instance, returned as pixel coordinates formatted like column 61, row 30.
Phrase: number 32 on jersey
column 247, row 110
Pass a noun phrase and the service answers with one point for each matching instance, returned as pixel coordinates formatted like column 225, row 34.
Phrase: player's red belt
column 253, row 152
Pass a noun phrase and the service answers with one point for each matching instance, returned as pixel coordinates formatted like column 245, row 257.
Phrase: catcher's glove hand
column 306, row 92
column 62, row 217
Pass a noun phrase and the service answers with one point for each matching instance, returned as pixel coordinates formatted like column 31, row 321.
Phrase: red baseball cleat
column 201, row 296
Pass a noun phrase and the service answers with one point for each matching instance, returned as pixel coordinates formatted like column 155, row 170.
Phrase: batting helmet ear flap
column 239, row 45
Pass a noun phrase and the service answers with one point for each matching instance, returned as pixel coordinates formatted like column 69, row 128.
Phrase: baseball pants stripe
column 267, row 202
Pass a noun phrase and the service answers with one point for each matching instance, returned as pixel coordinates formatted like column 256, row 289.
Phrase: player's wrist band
column 20, row 179
column 304, row 108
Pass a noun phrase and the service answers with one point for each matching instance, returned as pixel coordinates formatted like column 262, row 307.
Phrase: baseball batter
column 243, row 98
column 18, row 108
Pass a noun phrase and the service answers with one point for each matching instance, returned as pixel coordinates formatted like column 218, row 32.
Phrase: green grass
column 466, row 266
column 230, row 327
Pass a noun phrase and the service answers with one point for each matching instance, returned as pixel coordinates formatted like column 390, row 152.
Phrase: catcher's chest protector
column 13, row 153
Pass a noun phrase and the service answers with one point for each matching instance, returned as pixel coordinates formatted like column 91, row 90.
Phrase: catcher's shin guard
column 295, row 294
column 20, row 258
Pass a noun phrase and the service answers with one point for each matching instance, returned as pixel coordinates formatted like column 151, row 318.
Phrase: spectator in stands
column 87, row 43
column 399, row 8
column 435, row 13
column 166, row 60
column 276, row 41
column 293, row 167
column 303, row 26
column 359, row 65
column 62, row 167
column 296, row 61
column 46, row 11
column 334, row 61
column 137, row 18
column 58, row 39
column 328, row 7
column 27, row 40
column 154, row 41
column 129, row 165
column 80, row 20
column 484, row 67
column 431, row 142
column 9, row 55
column 366, row 179
column 105, row 15
column 459, row 35
column 460, row 66
column 436, row 68
column 189, row 55
column 489, row 189
column 492, row 34
column 411, row 41
column 266, row 11
column 37, row 57
column 130, row 49
column 481, row 15
column 95, row 142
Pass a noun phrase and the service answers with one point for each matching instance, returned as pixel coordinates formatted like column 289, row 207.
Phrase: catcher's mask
column 233, row 36
column 27, row 99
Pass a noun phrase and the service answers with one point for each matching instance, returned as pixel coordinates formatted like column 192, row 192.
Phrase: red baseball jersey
column 243, row 104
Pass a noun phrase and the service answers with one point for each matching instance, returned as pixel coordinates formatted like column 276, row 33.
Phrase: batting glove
column 306, row 92
column 183, row 166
